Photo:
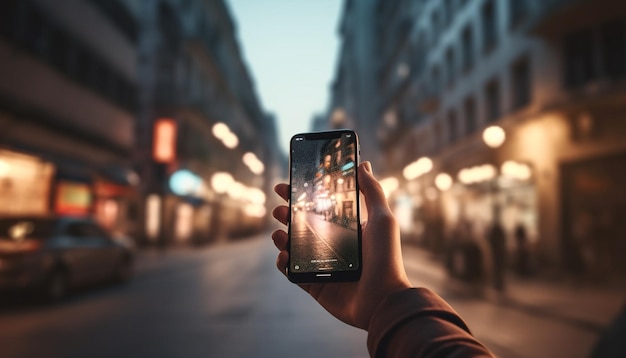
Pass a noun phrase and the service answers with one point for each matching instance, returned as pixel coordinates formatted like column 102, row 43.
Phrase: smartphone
column 324, row 222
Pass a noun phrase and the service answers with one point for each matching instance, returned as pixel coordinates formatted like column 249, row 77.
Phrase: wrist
column 385, row 295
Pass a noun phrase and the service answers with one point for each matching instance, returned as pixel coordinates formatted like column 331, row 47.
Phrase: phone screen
column 324, row 229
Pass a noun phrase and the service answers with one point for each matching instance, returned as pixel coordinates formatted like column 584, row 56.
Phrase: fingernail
column 367, row 166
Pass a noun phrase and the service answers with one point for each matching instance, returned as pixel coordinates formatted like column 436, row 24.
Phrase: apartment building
column 547, row 79
column 68, row 99
column 223, row 147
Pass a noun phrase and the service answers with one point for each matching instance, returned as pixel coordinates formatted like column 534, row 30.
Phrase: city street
column 321, row 243
column 229, row 300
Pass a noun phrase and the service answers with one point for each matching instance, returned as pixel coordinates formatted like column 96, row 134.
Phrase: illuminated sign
column 164, row 142
column 73, row 198
column 183, row 182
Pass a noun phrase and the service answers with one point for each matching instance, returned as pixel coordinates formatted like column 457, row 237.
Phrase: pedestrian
column 401, row 320
column 522, row 262
column 497, row 243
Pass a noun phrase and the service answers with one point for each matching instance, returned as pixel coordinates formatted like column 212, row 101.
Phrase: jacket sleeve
column 418, row 323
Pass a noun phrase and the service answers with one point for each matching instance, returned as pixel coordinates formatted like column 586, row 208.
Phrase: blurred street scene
column 134, row 148
column 229, row 301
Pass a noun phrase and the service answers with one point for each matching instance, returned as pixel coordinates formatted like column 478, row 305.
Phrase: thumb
column 375, row 199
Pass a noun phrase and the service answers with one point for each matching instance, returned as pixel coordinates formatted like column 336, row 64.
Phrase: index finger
column 282, row 189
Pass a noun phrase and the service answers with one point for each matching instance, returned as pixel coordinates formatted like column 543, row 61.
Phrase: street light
column 253, row 163
column 443, row 181
column 222, row 132
column 417, row 168
column 220, row 182
column 494, row 136
column 514, row 170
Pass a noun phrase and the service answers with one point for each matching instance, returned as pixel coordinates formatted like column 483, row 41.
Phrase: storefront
column 25, row 184
column 594, row 208
column 115, row 203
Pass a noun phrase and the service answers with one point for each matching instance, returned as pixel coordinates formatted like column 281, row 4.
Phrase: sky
column 291, row 49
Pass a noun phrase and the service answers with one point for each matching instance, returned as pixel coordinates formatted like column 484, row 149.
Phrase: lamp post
column 494, row 137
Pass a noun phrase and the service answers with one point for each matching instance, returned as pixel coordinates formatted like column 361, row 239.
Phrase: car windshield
column 26, row 228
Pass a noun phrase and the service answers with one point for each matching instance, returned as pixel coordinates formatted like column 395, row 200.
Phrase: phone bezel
column 327, row 276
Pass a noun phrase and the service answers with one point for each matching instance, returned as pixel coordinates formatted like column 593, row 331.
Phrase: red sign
column 164, row 141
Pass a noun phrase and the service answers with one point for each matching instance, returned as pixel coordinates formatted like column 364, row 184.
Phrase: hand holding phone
column 382, row 268
column 324, row 227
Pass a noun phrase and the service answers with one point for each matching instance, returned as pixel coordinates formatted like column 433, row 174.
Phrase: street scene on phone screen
column 323, row 228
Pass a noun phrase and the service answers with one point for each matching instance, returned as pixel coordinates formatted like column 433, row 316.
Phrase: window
column 169, row 26
column 613, row 47
column 467, row 47
column 470, row 115
column 520, row 75
column 450, row 10
column 453, row 126
column 492, row 100
column 518, row 11
column 450, row 66
column 88, row 234
column 579, row 52
column 490, row 26
column 436, row 26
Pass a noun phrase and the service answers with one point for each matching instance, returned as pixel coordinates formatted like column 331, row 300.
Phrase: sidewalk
column 590, row 307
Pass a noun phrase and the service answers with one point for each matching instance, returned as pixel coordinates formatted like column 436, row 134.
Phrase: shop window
column 520, row 74
column 492, row 100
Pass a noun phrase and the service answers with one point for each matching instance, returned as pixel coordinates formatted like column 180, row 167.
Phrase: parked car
column 50, row 255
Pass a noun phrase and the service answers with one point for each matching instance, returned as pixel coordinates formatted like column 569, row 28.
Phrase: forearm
column 418, row 323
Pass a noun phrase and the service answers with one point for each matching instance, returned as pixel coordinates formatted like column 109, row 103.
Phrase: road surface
column 229, row 300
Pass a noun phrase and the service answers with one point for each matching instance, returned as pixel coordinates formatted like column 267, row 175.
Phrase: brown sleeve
column 418, row 323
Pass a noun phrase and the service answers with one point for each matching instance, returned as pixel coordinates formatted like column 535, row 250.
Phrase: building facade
column 352, row 90
column 193, row 75
column 547, row 79
column 139, row 113
column 68, row 109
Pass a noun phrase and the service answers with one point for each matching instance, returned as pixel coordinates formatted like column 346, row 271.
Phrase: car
column 49, row 255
